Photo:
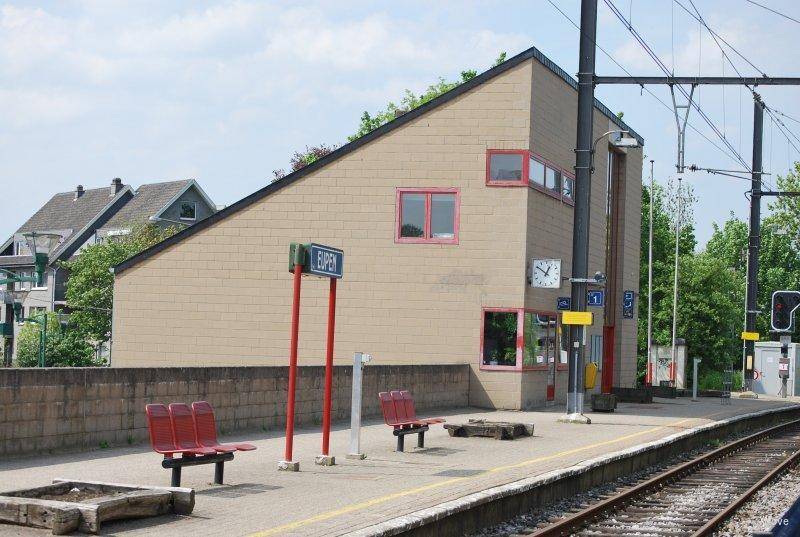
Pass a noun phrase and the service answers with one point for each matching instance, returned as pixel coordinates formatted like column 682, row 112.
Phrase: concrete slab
column 356, row 494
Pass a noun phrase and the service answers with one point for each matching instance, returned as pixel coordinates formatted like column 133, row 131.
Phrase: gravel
column 764, row 509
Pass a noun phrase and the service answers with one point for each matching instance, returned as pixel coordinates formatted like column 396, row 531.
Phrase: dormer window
column 188, row 210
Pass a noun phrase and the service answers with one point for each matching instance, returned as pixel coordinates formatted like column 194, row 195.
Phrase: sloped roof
column 147, row 201
column 68, row 215
column 531, row 53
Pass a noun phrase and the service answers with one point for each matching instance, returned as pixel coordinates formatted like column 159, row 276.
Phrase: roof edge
column 65, row 247
column 189, row 184
column 531, row 53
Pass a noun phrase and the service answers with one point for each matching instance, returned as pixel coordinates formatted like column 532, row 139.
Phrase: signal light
column 784, row 304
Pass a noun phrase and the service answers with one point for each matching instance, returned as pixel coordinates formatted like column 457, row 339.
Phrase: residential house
column 83, row 217
column 448, row 217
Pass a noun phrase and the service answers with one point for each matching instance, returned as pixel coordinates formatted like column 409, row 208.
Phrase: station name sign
column 317, row 259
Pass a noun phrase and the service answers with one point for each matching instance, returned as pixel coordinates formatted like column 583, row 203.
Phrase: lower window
column 517, row 339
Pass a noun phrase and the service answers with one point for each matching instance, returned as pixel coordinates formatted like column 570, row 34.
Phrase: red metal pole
column 298, row 272
column 326, row 407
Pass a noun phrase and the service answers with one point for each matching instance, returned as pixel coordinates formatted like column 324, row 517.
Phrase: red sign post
column 327, row 262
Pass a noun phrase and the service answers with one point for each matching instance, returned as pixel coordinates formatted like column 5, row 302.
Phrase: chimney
column 78, row 191
column 116, row 186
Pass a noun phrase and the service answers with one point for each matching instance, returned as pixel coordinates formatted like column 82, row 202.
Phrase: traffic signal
column 784, row 303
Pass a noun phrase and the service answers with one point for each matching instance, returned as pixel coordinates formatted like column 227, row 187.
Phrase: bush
column 65, row 347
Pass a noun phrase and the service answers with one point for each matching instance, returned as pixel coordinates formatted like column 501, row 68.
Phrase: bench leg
column 421, row 440
column 400, row 442
column 219, row 469
column 176, row 476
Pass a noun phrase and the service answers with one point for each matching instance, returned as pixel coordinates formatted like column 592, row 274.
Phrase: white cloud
column 34, row 108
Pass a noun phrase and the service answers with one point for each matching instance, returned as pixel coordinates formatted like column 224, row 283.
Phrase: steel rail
column 581, row 518
column 712, row 524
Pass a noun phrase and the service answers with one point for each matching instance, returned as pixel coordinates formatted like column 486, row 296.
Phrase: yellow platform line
column 408, row 492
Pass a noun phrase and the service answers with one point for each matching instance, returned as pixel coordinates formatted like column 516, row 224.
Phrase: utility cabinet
column 765, row 368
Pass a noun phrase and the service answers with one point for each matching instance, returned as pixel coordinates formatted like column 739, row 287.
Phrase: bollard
column 359, row 361
column 694, row 379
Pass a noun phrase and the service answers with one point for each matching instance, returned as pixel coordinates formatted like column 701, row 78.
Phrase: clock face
column 546, row 273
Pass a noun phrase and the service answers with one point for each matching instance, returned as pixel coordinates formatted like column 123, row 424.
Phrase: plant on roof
column 370, row 122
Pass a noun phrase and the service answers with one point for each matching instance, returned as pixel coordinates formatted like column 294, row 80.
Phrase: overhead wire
column 784, row 15
column 666, row 71
column 643, row 87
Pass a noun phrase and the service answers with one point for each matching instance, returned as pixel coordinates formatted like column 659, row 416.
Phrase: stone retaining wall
column 44, row 410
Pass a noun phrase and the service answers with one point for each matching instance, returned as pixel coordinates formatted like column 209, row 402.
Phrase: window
column 507, row 167
column 567, row 187
column 427, row 215
column 537, row 172
column 551, row 179
column 188, row 210
column 517, row 339
column 539, row 339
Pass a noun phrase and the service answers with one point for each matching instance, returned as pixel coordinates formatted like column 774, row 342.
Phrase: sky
column 225, row 92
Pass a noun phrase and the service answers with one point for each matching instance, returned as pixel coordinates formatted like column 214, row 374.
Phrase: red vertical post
column 326, row 407
column 607, row 375
column 298, row 272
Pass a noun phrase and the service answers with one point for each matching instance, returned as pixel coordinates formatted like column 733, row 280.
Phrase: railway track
column 691, row 499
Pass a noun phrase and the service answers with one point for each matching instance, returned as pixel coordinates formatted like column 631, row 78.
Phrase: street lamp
column 40, row 246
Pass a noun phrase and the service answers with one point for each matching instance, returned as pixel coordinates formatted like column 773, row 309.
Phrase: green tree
column 66, row 347
column 90, row 287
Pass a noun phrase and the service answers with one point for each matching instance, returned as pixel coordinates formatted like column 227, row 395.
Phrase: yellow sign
column 577, row 317
column 750, row 336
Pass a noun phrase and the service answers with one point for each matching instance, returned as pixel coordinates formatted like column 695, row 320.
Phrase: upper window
column 188, row 210
column 427, row 215
column 507, row 167
column 551, row 179
column 515, row 338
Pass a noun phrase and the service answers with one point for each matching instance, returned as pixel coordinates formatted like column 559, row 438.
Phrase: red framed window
column 427, row 215
column 519, row 339
column 550, row 179
column 507, row 167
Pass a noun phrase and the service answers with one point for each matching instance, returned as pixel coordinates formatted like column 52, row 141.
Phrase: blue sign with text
column 595, row 299
column 628, row 298
column 325, row 261
column 563, row 303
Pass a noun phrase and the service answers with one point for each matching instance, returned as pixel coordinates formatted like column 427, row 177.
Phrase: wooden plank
column 60, row 517
column 182, row 497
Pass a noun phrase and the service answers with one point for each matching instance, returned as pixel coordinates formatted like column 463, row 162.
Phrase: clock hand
column 540, row 268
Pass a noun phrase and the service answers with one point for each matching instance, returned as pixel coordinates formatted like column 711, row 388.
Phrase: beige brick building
column 441, row 214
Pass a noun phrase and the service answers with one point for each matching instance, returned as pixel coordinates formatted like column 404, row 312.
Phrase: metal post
column 580, row 234
column 287, row 463
column 355, row 409
column 694, row 379
column 754, row 242
column 672, row 372
column 649, row 372
column 325, row 459
column 42, row 339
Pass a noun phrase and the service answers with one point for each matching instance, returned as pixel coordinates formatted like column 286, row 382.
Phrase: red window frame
column 552, row 193
column 524, row 153
column 520, row 340
column 426, row 238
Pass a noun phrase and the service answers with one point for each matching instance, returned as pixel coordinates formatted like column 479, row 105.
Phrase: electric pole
column 679, row 202
column 649, row 372
column 754, row 242
column 580, row 233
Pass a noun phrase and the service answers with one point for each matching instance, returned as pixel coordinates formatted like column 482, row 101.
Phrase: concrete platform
column 359, row 494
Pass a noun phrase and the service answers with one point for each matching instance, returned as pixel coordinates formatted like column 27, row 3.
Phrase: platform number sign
column 596, row 299
column 628, row 299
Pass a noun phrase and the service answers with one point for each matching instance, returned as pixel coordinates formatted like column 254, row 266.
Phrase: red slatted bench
column 173, row 432
column 400, row 414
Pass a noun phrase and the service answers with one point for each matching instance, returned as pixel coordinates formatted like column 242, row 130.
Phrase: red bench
column 174, row 431
column 399, row 413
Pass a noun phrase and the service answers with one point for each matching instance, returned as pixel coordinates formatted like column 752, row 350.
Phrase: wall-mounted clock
column 546, row 273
